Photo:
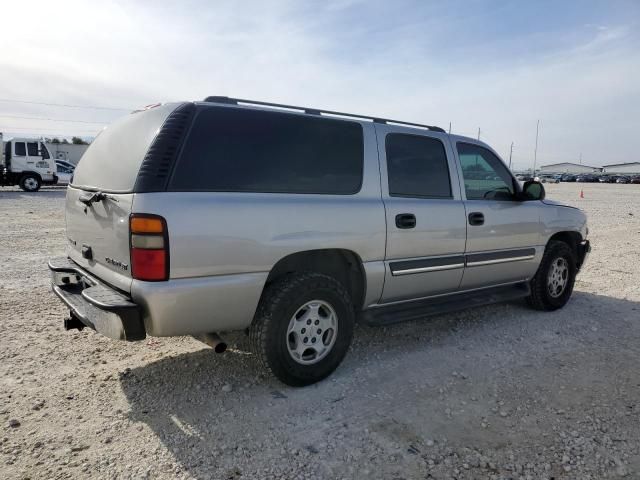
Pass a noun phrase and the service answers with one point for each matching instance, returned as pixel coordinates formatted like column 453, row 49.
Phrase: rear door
column 503, row 233
column 98, row 232
column 426, row 226
column 98, row 235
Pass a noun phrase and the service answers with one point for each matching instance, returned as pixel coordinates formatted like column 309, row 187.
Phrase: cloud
column 424, row 62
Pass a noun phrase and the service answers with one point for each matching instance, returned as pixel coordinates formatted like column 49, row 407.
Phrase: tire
column 549, row 291
column 291, row 302
column 30, row 183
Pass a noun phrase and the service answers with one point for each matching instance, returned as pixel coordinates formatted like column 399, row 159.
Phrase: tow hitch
column 72, row 323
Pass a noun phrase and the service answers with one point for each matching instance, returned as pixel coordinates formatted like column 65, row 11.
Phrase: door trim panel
column 501, row 256
column 451, row 262
column 430, row 264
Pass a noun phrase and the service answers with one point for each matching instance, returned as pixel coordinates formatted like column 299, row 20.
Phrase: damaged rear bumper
column 94, row 303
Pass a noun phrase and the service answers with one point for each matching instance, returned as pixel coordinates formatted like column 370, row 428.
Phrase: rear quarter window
column 243, row 150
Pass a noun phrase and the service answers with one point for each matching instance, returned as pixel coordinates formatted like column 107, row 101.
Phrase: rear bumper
column 584, row 248
column 94, row 303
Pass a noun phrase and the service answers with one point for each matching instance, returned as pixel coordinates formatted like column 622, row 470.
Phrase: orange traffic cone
column 581, row 194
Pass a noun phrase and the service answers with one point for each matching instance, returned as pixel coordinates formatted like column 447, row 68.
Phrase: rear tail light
column 149, row 245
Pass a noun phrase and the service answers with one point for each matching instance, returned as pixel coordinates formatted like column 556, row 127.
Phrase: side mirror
column 533, row 190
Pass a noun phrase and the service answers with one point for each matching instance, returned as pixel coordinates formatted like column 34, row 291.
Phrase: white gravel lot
column 500, row 392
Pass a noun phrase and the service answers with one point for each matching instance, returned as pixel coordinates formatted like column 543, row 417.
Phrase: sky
column 495, row 65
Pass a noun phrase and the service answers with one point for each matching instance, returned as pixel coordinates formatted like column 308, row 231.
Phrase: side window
column 485, row 176
column 44, row 151
column 20, row 149
column 242, row 150
column 32, row 149
column 417, row 167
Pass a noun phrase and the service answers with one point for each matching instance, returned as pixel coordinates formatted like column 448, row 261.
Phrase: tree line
column 64, row 141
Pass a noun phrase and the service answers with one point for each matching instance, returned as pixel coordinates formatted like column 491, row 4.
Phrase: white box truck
column 26, row 162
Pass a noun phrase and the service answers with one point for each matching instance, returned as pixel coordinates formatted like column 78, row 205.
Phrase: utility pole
column 580, row 158
column 449, row 128
column 535, row 151
column 510, row 155
column 478, row 133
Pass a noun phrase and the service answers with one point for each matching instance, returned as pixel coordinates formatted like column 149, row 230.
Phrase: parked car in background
column 567, row 177
column 523, row 177
column 549, row 179
column 604, row 179
column 623, row 179
column 586, row 178
column 635, row 179
column 65, row 174
column 64, row 163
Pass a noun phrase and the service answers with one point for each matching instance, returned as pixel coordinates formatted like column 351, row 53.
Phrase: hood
column 548, row 201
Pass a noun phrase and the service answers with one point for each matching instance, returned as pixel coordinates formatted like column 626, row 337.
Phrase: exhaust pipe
column 214, row 341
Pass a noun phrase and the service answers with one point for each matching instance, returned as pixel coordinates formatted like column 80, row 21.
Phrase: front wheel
column 30, row 183
column 303, row 327
column 552, row 285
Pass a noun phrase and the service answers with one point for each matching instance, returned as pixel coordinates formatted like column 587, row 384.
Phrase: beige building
column 631, row 167
column 568, row 168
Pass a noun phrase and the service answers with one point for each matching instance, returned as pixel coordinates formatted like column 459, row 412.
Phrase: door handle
column 405, row 220
column 476, row 218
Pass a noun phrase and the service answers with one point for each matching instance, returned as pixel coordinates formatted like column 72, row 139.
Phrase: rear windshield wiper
column 90, row 197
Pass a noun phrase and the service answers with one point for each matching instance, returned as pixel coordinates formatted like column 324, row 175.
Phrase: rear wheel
column 552, row 285
column 30, row 183
column 303, row 327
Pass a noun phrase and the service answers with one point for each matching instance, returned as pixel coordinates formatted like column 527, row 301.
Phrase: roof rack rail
column 315, row 111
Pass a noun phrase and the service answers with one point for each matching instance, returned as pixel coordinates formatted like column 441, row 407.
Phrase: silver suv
column 291, row 223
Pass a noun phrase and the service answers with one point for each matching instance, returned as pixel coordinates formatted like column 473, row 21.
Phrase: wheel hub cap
column 30, row 183
column 558, row 277
column 312, row 332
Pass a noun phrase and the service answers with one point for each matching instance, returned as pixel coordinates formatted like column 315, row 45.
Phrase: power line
column 26, row 131
column 52, row 119
column 64, row 105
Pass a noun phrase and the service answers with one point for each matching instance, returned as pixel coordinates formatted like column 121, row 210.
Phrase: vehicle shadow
column 212, row 432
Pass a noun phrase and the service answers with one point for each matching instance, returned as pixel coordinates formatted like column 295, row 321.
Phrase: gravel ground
column 499, row 392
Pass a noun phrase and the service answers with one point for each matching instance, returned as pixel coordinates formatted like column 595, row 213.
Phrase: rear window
column 112, row 161
column 241, row 150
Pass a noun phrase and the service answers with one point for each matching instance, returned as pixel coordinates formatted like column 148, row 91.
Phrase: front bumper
column 584, row 248
column 94, row 303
